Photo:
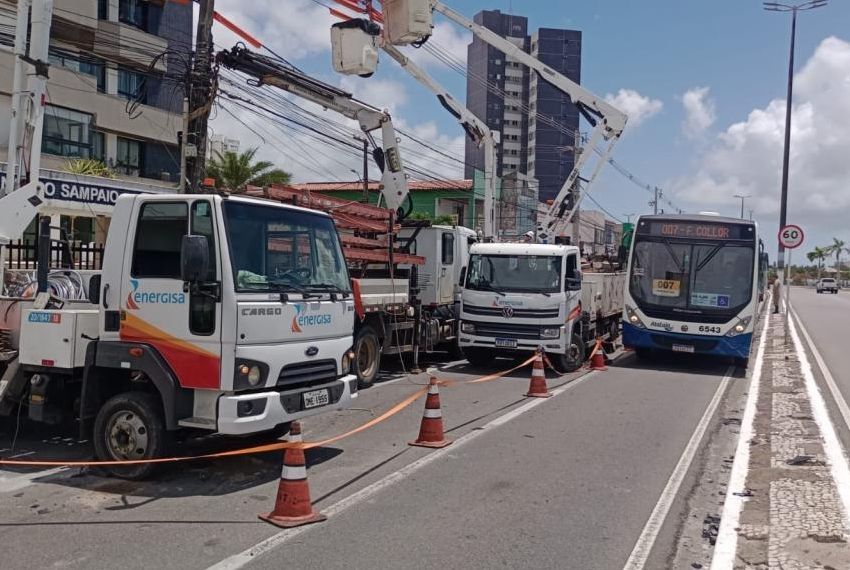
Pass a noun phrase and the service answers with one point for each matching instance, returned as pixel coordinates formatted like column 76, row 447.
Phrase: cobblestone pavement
column 793, row 519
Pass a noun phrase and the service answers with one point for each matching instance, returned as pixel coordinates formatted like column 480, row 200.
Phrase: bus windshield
column 692, row 277
column 515, row 273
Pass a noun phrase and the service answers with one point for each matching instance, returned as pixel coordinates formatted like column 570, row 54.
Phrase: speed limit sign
column 791, row 236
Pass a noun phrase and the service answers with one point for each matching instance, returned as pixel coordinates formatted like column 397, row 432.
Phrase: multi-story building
column 220, row 144
column 115, row 94
column 537, row 123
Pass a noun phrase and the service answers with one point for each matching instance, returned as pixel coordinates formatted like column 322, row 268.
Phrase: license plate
column 683, row 348
column 316, row 398
column 505, row 343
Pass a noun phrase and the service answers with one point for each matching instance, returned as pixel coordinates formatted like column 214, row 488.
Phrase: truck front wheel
column 573, row 358
column 367, row 356
column 130, row 426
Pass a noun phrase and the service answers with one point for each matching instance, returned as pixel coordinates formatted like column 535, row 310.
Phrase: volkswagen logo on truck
column 507, row 311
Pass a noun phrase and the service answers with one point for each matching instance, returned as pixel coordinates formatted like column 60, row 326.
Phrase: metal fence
column 78, row 255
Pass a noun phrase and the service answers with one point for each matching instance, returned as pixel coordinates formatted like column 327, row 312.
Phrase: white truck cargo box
column 55, row 337
column 602, row 294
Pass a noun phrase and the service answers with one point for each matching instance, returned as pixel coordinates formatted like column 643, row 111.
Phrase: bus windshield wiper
column 709, row 257
column 679, row 266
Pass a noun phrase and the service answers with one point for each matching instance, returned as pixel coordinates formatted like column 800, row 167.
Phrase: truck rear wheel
column 573, row 358
column 367, row 356
column 131, row 426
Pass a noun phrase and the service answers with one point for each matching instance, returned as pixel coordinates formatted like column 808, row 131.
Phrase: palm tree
column 235, row 171
column 836, row 248
column 818, row 255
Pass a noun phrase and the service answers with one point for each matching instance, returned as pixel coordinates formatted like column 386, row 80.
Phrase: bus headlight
column 740, row 327
column 633, row 318
column 468, row 328
column 550, row 332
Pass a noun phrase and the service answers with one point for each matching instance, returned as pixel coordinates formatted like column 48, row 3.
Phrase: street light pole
column 777, row 7
column 742, row 197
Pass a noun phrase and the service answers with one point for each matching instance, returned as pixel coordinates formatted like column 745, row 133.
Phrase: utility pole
column 742, row 197
column 201, row 92
column 779, row 7
column 13, row 154
column 654, row 203
column 365, row 142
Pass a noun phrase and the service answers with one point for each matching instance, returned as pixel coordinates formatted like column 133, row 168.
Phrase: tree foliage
column 235, row 171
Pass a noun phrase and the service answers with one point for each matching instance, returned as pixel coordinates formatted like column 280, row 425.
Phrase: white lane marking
column 646, row 540
column 827, row 375
column 832, row 446
column 18, row 482
column 240, row 560
column 727, row 537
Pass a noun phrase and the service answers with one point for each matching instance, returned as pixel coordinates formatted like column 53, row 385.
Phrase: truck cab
column 519, row 297
column 227, row 314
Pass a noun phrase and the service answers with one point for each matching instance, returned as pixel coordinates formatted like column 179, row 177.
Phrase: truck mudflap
column 261, row 411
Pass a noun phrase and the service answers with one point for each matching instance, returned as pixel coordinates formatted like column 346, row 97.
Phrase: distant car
column 827, row 285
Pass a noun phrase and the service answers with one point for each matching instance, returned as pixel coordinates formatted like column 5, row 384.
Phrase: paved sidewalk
column 793, row 518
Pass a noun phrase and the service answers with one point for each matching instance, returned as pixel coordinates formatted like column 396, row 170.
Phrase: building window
column 89, row 66
column 66, row 132
column 132, row 85
column 130, row 157
column 134, row 13
column 98, row 146
column 102, row 9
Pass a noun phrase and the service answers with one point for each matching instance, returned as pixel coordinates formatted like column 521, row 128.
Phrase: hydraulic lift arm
column 607, row 120
column 477, row 130
column 269, row 71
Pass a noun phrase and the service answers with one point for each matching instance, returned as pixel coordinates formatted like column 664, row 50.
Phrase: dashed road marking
column 240, row 560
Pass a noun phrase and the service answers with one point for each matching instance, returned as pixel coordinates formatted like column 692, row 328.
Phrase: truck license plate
column 683, row 348
column 505, row 343
column 316, row 398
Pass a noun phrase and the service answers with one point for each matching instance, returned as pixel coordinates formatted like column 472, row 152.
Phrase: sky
column 704, row 85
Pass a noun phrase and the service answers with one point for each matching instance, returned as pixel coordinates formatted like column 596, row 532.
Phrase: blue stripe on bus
column 736, row 346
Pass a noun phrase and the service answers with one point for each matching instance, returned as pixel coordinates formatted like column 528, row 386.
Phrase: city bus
column 695, row 285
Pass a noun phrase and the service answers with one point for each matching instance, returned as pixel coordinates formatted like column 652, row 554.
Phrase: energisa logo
column 136, row 297
column 302, row 318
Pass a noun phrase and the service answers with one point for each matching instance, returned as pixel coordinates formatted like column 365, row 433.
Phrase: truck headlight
column 740, row 327
column 468, row 328
column 633, row 318
column 347, row 359
column 249, row 374
column 550, row 332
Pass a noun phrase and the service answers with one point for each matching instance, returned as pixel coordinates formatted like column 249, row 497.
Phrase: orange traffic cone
column 292, row 506
column 431, row 430
column 537, row 387
column 597, row 358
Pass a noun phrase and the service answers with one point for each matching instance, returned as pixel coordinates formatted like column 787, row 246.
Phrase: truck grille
column 503, row 330
column 518, row 313
column 306, row 373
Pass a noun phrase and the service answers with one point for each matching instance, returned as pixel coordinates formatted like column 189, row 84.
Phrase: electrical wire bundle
column 65, row 284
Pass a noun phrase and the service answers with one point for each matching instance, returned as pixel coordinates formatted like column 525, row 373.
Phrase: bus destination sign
column 697, row 230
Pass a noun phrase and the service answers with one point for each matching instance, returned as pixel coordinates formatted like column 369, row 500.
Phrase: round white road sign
column 791, row 236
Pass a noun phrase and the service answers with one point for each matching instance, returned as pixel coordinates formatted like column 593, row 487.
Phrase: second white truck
column 518, row 297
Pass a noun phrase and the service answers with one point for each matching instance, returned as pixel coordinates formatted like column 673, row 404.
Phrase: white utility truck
column 220, row 313
column 518, row 297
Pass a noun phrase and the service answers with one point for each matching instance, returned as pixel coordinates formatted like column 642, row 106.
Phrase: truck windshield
column 515, row 273
column 692, row 277
column 278, row 249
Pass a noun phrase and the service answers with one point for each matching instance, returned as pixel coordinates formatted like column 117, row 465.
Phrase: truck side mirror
column 94, row 289
column 194, row 258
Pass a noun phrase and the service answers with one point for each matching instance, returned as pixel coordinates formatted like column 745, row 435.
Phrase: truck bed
column 602, row 294
column 378, row 294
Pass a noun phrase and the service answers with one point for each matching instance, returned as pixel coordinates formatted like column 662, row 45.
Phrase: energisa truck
column 518, row 297
column 226, row 314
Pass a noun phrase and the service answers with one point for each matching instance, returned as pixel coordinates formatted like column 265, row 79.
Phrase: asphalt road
column 566, row 482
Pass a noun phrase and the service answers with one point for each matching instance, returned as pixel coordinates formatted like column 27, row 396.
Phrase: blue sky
column 659, row 49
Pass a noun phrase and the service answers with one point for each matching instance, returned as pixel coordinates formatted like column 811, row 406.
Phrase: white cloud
column 378, row 92
column 296, row 30
column 448, row 39
column 747, row 157
column 699, row 112
column 638, row 107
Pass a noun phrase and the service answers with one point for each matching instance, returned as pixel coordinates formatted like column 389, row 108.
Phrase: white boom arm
column 477, row 130
column 608, row 121
column 269, row 71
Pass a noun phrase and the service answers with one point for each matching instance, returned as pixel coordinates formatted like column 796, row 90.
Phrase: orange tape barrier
column 277, row 446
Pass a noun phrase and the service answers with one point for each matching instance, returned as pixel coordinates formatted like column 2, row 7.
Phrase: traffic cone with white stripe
column 597, row 357
column 431, row 430
column 537, row 387
column 292, row 506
